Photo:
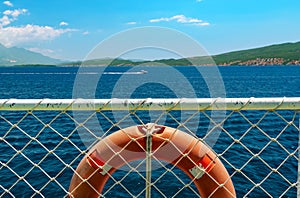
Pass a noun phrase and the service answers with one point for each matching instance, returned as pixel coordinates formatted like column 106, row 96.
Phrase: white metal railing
column 43, row 140
column 152, row 104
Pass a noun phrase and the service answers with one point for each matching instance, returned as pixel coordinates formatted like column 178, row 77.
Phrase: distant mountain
column 280, row 54
column 19, row 56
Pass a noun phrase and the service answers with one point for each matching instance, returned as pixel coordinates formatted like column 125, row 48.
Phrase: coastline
column 220, row 65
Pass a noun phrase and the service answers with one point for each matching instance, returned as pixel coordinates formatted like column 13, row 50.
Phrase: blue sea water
column 58, row 82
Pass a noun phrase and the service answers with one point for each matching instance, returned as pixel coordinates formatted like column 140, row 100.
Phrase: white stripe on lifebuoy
column 197, row 171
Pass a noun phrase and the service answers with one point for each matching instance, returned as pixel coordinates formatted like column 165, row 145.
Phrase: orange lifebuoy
column 188, row 153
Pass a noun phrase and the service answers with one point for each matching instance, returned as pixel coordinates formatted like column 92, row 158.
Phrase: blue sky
column 69, row 29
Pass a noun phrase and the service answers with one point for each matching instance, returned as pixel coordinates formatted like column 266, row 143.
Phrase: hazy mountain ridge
column 279, row 54
column 20, row 56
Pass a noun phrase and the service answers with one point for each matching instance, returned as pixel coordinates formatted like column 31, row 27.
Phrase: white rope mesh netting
column 40, row 150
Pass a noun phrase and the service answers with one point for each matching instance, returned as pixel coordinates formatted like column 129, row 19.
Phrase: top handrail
column 201, row 104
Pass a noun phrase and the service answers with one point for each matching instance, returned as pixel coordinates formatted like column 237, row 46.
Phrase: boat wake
column 74, row 73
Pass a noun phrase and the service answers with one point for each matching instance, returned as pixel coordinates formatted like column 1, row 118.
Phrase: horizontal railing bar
column 151, row 104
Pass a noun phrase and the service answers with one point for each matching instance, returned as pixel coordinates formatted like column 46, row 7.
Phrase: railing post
column 298, row 180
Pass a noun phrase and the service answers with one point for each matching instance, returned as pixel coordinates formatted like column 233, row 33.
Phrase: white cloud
column 131, row 23
column 14, row 35
column 159, row 20
column 199, row 0
column 181, row 19
column 4, row 21
column 201, row 24
column 10, row 16
column 15, row 13
column 10, row 36
column 63, row 23
column 7, row 12
column 86, row 33
column 184, row 19
column 8, row 3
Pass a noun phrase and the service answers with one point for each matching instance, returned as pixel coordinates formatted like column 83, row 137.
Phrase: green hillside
column 286, row 51
column 280, row 54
